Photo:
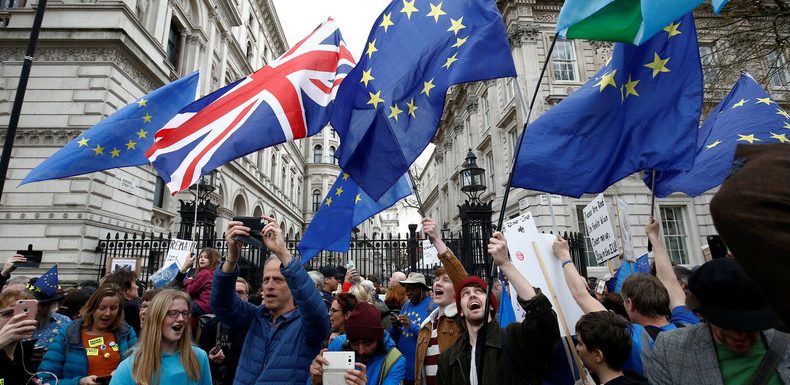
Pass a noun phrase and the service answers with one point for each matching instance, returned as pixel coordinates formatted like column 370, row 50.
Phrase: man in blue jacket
column 287, row 330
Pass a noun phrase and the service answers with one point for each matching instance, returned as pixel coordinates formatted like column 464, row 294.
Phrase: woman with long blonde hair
column 164, row 354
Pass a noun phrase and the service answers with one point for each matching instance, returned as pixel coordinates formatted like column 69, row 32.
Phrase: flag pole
column 16, row 110
column 416, row 194
column 501, row 220
column 652, row 205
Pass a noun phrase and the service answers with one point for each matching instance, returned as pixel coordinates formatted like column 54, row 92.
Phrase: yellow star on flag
column 386, row 21
column 436, row 11
column 83, row 142
column 450, row 61
column 426, row 87
column 740, row 103
column 142, row 103
column 607, row 80
column 339, row 191
column 457, row 25
column 412, row 108
column 780, row 137
column 147, row 118
column 748, row 138
column 395, row 111
column 99, row 150
column 371, row 48
column 658, row 65
column 408, row 8
column 345, row 176
column 358, row 198
column 130, row 145
column 782, row 112
column 787, row 125
column 459, row 42
column 329, row 201
column 375, row 99
column 630, row 87
column 672, row 29
column 115, row 152
column 766, row 101
column 141, row 134
column 714, row 144
column 366, row 77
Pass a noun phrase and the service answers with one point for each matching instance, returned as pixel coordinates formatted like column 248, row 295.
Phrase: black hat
column 331, row 271
column 729, row 299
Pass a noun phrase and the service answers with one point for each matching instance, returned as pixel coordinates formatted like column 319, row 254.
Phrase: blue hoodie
column 172, row 371
column 373, row 366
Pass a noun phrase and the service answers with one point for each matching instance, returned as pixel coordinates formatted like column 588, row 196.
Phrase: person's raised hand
column 651, row 228
column 188, row 262
column 497, row 248
column 358, row 375
column 235, row 228
column 9, row 266
column 17, row 329
column 430, row 229
column 561, row 249
column 272, row 236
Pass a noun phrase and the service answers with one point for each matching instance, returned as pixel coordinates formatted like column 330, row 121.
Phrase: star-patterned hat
column 45, row 288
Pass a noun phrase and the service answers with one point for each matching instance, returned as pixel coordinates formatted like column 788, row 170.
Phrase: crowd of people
column 708, row 325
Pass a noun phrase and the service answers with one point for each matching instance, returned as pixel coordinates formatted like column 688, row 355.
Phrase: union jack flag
column 289, row 99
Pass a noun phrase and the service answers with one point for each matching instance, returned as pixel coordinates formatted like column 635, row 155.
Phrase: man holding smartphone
column 287, row 330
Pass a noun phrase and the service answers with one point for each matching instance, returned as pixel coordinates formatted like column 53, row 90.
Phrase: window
column 316, row 200
column 514, row 139
column 174, row 43
column 490, row 166
column 509, row 90
column 564, row 61
column 273, row 167
column 589, row 254
column 709, row 70
column 674, row 233
column 282, row 179
column 486, row 110
column 291, row 189
column 318, row 153
column 332, row 155
column 777, row 69
column 159, row 192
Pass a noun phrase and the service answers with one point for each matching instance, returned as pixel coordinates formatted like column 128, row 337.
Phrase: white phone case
column 335, row 371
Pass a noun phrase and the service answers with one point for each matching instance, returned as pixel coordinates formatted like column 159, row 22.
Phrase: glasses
column 175, row 313
column 333, row 311
column 241, row 292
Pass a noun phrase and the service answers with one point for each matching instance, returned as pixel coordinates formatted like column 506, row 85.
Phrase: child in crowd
column 199, row 287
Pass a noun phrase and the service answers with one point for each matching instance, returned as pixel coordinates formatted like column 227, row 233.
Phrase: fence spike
column 117, row 236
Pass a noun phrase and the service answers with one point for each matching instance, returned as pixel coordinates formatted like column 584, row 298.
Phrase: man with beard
column 518, row 354
column 411, row 316
column 378, row 361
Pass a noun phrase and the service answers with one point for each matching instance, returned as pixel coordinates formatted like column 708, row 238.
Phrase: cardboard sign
column 179, row 251
column 520, row 232
column 600, row 230
column 430, row 256
column 625, row 229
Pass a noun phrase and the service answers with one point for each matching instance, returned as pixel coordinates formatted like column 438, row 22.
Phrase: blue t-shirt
column 172, row 371
column 642, row 343
column 407, row 342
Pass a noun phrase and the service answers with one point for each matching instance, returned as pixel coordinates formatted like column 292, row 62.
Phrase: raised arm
column 664, row 270
column 228, row 307
column 455, row 270
column 573, row 279
column 497, row 248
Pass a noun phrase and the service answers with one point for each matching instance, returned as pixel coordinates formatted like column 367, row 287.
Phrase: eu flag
column 121, row 139
column 639, row 112
column 641, row 265
column 746, row 115
column 388, row 108
column 344, row 207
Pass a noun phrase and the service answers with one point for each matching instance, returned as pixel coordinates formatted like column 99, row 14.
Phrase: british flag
column 289, row 99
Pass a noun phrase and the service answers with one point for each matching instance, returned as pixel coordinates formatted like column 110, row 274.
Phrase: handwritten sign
column 600, row 230
column 625, row 229
column 178, row 251
column 430, row 256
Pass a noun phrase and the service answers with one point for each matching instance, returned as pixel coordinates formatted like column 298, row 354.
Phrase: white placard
column 520, row 235
column 600, row 230
column 179, row 251
column 625, row 229
column 430, row 256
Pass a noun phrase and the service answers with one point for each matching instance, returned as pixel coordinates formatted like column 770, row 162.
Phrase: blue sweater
column 407, row 337
column 66, row 357
column 276, row 351
column 373, row 366
column 172, row 370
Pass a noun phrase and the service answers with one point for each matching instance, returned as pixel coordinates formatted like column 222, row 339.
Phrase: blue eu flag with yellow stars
column 122, row 138
column 639, row 112
column 344, row 207
column 388, row 108
column 48, row 283
column 747, row 115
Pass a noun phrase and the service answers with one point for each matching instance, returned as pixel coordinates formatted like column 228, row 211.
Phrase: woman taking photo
column 90, row 348
column 165, row 355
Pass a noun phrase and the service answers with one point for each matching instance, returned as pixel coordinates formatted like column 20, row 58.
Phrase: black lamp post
column 472, row 178
column 199, row 216
column 475, row 218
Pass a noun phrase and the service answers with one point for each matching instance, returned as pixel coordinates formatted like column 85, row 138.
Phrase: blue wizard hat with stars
column 45, row 287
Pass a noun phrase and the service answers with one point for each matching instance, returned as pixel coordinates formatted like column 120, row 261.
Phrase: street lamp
column 472, row 178
column 202, row 189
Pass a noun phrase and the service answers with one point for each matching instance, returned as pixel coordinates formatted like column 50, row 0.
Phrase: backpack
column 654, row 331
column 389, row 361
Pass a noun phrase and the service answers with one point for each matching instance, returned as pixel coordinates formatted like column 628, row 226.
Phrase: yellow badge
column 92, row 351
column 2, row 381
column 98, row 341
column 114, row 348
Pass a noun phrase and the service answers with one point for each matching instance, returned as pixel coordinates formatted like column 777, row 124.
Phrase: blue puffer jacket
column 66, row 357
column 373, row 366
column 278, row 353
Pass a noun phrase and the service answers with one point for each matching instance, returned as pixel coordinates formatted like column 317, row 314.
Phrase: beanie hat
column 479, row 282
column 364, row 323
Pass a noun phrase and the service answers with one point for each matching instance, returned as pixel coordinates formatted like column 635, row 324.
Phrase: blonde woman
column 165, row 355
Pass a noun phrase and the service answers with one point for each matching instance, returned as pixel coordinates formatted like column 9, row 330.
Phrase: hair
column 347, row 301
column 148, row 295
column 121, row 277
column 614, row 302
column 648, row 295
column 11, row 296
column 318, row 279
column 246, row 284
column 148, row 356
column 605, row 331
column 105, row 290
column 213, row 257
column 396, row 297
column 75, row 300
column 361, row 293
column 439, row 271
column 682, row 273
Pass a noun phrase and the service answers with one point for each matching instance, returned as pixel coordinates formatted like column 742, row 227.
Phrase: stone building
column 486, row 117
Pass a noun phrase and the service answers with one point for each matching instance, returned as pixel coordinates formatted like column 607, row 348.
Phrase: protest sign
column 600, row 230
column 430, row 256
column 178, row 251
column 165, row 274
column 625, row 229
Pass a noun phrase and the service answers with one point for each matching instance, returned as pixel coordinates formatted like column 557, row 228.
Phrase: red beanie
column 479, row 282
column 364, row 323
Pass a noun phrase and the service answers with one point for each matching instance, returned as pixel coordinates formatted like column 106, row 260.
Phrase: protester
column 50, row 322
column 365, row 291
column 127, row 280
column 332, row 277
column 287, row 331
column 13, row 329
column 165, row 355
column 339, row 312
column 317, row 278
column 145, row 300
column 614, row 303
column 8, row 267
column 604, row 344
column 378, row 361
column 92, row 346
column 16, row 283
column 411, row 316
column 199, row 287
column 74, row 301
column 395, row 299
column 396, row 278
column 518, row 354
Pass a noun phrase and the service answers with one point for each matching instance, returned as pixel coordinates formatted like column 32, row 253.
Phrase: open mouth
column 177, row 328
column 438, row 291
column 474, row 305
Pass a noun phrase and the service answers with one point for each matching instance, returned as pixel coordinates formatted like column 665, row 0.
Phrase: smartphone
column 335, row 371
column 256, row 226
column 599, row 288
column 716, row 246
column 33, row 257
column 28, row 307
column 351, row 264
column 103, row 380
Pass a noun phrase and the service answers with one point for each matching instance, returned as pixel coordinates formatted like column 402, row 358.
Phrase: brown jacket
column 450, row 327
